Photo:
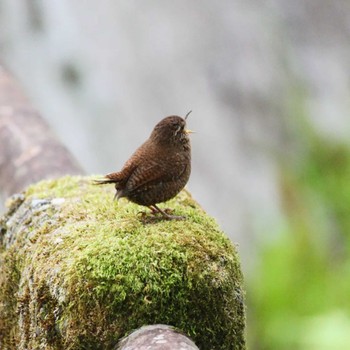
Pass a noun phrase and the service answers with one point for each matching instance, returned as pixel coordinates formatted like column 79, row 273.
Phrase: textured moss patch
column 78, row 271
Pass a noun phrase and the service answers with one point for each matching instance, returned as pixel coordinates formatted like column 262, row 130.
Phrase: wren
column 159, row 169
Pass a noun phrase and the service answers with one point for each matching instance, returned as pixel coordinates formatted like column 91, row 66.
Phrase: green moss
column 88, row 270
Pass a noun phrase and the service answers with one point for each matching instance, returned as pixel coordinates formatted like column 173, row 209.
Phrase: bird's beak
column 188, row 131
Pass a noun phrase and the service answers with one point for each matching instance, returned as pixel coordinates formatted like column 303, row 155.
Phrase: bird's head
column 171, row 130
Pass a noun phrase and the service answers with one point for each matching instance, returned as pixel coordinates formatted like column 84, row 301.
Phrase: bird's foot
column 174, row 217
column 165, row 213
column 142, row 213
column 158, row 214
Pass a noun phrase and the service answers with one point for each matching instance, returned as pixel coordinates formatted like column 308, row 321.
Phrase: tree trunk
column 29, row 151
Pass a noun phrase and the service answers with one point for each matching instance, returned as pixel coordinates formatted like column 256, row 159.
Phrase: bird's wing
column 155, row 171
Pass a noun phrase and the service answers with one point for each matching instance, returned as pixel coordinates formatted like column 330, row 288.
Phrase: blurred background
column 268, row 83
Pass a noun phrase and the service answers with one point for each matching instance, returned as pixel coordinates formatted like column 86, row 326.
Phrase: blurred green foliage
column 299, row 297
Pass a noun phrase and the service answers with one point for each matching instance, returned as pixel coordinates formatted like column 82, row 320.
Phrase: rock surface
column 79, row 271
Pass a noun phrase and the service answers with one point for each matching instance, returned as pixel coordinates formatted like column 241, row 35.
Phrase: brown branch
column 156, row 337
column 29, row 151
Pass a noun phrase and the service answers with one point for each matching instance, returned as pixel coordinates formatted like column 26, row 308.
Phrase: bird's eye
column 178, row 128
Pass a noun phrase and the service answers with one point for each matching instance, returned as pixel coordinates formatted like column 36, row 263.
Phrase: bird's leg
column 154, row 210
column 166, row 216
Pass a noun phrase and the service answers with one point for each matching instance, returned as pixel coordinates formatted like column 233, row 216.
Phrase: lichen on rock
column 79, row 271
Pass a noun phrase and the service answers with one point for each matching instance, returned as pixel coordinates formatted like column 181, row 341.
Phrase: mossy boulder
column 79, row 271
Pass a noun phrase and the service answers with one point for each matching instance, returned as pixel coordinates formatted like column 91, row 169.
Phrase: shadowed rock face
column 80, row 271
column 156, row 337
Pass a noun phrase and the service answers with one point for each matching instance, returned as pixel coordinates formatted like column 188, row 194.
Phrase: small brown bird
column 159, row 169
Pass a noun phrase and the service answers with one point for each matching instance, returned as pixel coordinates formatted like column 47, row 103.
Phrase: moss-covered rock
column 79, row 271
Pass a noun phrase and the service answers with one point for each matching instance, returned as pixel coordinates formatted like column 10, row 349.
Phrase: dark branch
column 29, row 151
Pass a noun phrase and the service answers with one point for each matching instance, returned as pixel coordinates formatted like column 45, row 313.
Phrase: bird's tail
column 103, row 182
column 112, row 178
